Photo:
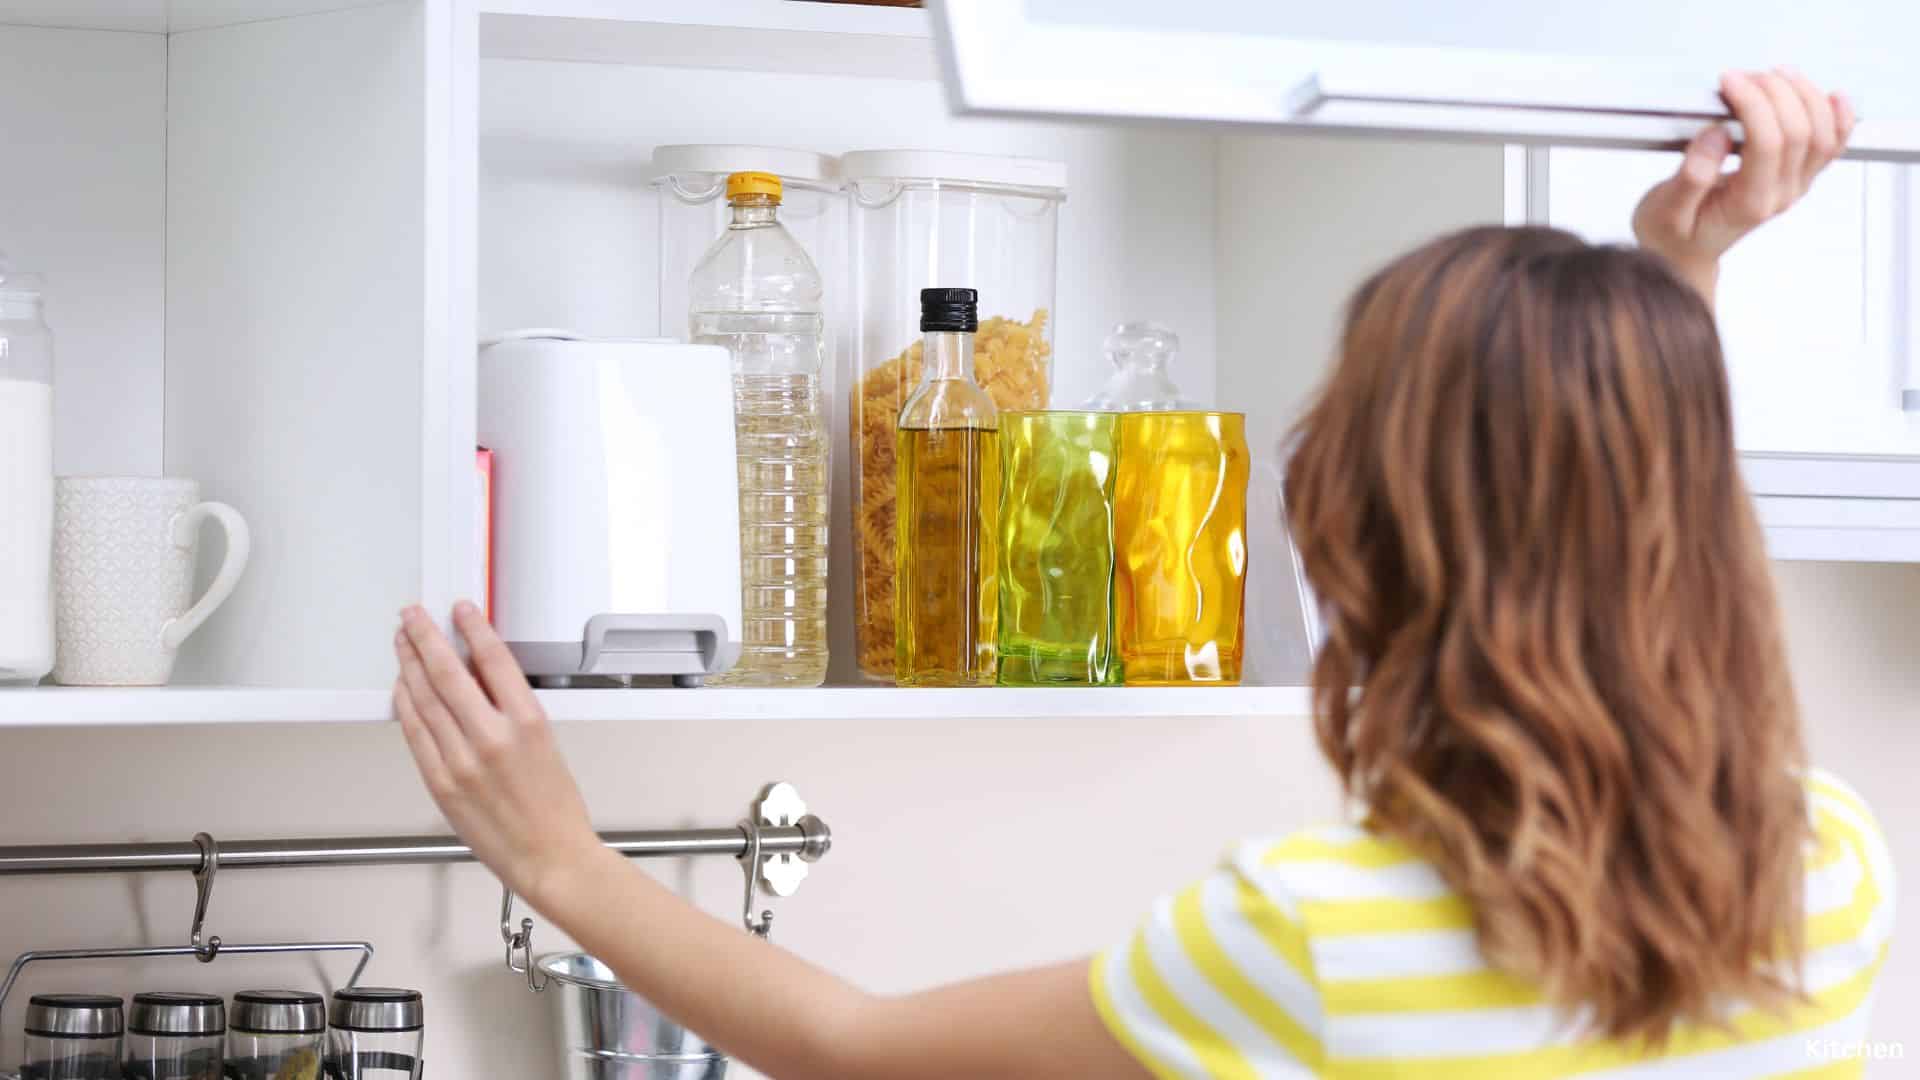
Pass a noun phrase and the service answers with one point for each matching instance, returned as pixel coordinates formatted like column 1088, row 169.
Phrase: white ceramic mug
column 123, row 559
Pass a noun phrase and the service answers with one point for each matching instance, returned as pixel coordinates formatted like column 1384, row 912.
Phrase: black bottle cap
column 954, row 310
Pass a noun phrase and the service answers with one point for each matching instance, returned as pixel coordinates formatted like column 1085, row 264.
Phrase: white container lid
column 961, row 168
column 726, row 158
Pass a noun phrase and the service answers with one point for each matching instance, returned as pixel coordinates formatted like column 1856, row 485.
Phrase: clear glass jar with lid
column 276, row 1035
column 919, row 220
column 175, row 1036
column 374, row 1033
column 1141, row 352
column 73, row 1037
column 26, row 481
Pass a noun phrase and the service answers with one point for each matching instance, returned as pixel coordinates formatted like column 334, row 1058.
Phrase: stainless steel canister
column 73, row 1037
column 375, row 1033
column 176, row 1036
column 608, row 1032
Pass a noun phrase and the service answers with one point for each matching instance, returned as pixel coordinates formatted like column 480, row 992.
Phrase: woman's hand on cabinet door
column 487, row 753
column 488, row 756
column 1794, row 130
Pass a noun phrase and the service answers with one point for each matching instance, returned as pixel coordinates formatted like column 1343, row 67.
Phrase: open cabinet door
column 1629, row 73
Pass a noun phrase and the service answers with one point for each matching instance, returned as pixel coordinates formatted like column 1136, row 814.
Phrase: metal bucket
column 608, row 1032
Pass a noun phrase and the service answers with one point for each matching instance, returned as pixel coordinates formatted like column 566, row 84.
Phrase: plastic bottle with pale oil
column 947, row 596
column 758, row 295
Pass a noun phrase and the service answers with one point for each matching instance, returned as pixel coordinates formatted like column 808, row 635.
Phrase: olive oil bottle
column 946, row 590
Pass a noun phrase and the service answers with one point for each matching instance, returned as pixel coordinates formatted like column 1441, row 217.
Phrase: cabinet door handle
column 1535, row 100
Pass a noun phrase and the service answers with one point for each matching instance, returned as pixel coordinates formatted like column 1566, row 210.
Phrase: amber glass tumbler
column 1180, row 527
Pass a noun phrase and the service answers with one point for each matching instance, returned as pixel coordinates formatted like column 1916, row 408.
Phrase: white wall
column 567, row 214
column 83, row 202
column 1299, row 222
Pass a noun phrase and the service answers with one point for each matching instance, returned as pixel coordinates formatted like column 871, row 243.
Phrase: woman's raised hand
column 1793, row 130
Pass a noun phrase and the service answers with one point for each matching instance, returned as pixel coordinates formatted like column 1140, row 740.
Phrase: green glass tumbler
column 1056, row 550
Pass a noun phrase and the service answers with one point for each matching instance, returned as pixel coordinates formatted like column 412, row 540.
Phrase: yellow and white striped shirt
column 1337, row 953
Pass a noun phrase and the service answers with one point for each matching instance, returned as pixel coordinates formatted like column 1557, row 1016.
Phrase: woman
column 1591, row 842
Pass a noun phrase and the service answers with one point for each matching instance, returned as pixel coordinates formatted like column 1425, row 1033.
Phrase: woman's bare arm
column 488, row 757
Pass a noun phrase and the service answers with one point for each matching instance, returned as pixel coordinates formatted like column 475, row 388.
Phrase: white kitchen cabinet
column 1816, row 317
column 1817, row 311
column 1632, row 73
column 275, row 232
column 271, row 259
column 242, row 270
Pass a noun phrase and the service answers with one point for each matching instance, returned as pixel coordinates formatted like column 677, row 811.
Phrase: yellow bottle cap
column 753, row 183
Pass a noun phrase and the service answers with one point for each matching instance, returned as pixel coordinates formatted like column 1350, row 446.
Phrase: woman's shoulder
column 1344, row 879
column 1827, row 790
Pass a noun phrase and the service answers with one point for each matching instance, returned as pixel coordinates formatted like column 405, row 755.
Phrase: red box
column 483, row 533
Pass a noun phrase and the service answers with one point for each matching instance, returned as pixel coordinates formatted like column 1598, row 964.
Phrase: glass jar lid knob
column 1140, row 352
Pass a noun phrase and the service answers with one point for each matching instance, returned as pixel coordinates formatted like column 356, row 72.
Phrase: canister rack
column 774, row 845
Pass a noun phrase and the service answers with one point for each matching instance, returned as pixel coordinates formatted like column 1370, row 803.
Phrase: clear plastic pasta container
column 924, row 219
column 692, row 184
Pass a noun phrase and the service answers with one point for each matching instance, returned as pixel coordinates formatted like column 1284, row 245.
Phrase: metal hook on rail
column 519, row 941
column 762, row 927
column 203, row 889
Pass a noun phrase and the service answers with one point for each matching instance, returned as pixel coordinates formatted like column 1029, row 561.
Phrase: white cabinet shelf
column 896, row 703
column 63, row 706
column 84, row 707
column 763, row 36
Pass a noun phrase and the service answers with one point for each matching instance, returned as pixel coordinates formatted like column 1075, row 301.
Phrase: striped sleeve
column 1217, row 984
column 1850, row 876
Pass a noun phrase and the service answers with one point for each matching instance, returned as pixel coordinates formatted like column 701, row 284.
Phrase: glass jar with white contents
column 26, row 481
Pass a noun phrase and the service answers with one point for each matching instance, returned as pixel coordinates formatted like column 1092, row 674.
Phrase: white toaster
column 616, row 518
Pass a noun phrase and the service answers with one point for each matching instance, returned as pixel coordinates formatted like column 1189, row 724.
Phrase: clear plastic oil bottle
column 758, row 295
column 947, row 594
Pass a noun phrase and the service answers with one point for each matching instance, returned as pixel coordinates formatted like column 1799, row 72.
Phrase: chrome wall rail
column 809, row 840
column 783, row 835
column 773, row 845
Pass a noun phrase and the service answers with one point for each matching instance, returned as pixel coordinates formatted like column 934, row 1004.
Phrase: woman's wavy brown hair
column 1518, row 503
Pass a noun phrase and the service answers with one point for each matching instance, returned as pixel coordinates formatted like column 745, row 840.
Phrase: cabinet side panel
column 296, row 333
column 1301, row 222
column 82, row 201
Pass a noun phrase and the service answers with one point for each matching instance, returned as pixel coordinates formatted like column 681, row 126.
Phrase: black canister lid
column 955, row 310
column 377, row 1008
column 166, row 1012
column 278, row 1012
column 74, row 1016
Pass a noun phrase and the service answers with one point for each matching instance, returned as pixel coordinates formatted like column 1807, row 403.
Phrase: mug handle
column 186, row 527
